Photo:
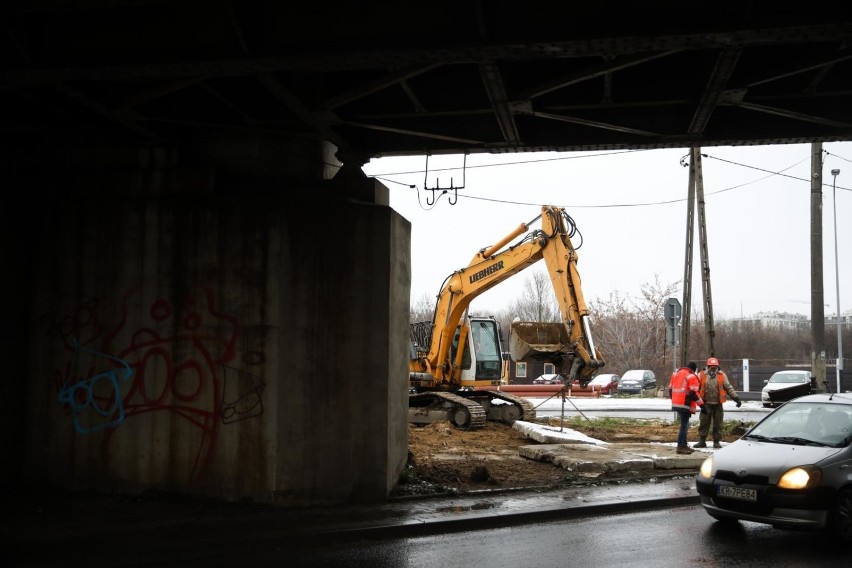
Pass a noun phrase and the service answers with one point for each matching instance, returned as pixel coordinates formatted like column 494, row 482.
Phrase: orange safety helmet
column 712, row 362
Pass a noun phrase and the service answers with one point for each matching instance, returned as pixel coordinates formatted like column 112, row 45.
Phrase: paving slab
column 575, row 451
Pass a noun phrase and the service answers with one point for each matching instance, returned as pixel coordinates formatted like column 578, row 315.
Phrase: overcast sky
column 630, row 208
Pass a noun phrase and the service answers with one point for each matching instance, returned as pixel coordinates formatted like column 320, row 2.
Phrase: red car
column 607, row 383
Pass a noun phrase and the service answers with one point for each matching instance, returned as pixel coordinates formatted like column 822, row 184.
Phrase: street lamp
column 839, row 365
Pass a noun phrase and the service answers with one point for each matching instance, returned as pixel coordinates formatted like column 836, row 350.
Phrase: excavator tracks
column 468, row 410
column 523, row 409
column 428, row 407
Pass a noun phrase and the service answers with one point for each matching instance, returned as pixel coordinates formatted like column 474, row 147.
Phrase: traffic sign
column 672, row 311
column 671, row 338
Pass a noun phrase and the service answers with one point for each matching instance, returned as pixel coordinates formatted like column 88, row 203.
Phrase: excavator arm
column 495, row 264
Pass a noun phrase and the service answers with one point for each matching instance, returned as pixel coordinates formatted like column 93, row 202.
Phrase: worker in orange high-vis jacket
column 713, row 388
column 683, row 390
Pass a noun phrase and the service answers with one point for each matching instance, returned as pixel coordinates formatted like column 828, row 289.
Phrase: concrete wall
column 237, row 338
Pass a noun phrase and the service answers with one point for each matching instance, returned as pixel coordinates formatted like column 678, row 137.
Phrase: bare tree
column 631, row 333
column 653, row 296
column 615, row 326
column 422, row 309
column 538, row 302
column 751, row 340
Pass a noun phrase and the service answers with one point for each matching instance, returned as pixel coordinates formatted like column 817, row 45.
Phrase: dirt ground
column 443, row 458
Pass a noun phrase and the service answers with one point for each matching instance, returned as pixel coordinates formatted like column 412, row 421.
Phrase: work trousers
column 684, row 416
column 712, row 413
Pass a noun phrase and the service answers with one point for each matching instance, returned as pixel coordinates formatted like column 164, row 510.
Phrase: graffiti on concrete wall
column 97, row 395
column 178, row 359
column 242, row 395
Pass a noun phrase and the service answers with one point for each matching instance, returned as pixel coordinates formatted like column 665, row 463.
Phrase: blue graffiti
column 80, row 396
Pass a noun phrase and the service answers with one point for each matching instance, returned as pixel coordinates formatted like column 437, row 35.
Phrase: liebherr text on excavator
column 457, row 355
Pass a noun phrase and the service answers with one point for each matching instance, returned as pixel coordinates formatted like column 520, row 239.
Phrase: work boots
column 701, row 444
column 716, row 444
column 684, row 450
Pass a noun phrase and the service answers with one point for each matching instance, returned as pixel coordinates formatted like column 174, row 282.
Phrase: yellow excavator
column 457, row 356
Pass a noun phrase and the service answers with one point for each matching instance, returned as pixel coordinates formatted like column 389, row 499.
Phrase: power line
column 770, row 173
column 517, row 163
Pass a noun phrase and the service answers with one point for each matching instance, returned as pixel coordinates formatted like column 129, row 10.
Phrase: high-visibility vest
column 681, row 382
column 720, row 377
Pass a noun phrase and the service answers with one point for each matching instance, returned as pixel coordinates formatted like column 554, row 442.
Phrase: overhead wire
column 383, row 176
column 770, row 173
column 523, row 162
column 837, row 156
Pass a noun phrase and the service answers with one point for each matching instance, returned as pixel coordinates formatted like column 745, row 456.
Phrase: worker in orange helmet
column 713, row 388
column 683, row 390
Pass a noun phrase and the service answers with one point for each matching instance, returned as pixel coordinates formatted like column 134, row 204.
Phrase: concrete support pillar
column 239, row 341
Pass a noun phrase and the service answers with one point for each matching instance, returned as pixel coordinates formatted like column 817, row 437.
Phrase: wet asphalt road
column 667, row 538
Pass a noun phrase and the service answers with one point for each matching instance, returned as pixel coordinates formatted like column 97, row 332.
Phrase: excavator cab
column 484, row 342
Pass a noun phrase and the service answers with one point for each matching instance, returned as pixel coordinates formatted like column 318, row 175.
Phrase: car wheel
column 841, row 521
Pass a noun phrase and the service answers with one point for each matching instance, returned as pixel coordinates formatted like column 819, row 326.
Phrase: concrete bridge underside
column 198, row 300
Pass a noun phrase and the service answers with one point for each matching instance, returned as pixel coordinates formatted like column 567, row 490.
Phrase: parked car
column 635, row 381
column 607, row 383
column 547, row 380
column 787, row 385
column 790, row 470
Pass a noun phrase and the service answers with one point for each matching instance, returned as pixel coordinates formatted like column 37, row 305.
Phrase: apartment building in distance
column 786, row 320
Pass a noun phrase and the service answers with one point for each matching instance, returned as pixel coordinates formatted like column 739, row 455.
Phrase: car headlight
column 801, row 477
column 706, row 468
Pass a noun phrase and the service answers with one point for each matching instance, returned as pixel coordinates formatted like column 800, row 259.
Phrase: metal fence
column 759, row 371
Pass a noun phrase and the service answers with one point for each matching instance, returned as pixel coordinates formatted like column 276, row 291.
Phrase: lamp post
column 839, row 365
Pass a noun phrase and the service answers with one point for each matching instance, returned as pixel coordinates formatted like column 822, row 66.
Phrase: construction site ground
column 446, row 459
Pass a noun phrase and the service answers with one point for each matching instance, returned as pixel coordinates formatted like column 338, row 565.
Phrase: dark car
column 790, row 470
column 635, row 381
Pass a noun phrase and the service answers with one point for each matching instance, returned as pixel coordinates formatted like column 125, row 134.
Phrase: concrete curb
column 480, row 521
column 466, row 513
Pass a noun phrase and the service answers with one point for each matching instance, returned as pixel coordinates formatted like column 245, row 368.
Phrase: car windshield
column 806, row 423
column 788, row 378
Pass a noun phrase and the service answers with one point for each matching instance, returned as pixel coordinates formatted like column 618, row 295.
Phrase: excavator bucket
column 541, row 341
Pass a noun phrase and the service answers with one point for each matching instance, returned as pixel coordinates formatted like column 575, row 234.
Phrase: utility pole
column 817, row 294
column 687, row 262
column 696, row 191
column 839, row 363
column 709, row 326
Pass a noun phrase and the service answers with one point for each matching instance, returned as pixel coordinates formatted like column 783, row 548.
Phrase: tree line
column 630, row 331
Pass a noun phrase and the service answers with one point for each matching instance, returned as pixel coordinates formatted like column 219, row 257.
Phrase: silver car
column 787, row 385
column 793, row 469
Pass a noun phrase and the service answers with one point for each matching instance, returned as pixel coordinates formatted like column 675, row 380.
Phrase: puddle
column 466, row 508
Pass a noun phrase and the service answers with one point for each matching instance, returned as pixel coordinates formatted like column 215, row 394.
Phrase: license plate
column 737, row 493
